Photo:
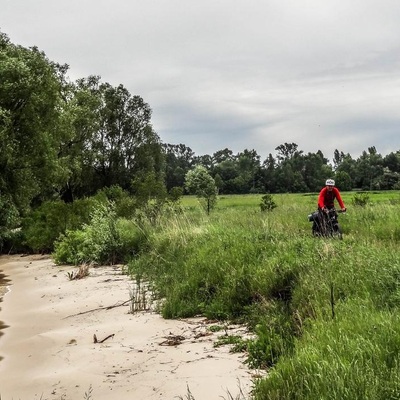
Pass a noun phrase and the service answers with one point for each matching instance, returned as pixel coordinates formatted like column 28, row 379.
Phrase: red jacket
column 326, row 198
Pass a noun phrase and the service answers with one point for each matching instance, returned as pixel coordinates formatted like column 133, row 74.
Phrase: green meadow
column 325, row 312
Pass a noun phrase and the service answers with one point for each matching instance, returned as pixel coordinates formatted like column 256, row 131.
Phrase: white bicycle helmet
column 330, row 182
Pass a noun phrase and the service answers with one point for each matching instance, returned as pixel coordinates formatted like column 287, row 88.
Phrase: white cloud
column 237, row 74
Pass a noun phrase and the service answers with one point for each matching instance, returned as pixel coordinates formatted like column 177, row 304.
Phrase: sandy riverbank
column 49, row 352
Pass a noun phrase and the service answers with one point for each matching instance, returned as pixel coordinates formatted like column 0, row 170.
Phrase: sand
column 48, row 349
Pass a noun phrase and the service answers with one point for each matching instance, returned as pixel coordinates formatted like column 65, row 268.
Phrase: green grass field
column 325, row 312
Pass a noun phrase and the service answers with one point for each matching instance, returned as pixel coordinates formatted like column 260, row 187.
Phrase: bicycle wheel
column 337, row 232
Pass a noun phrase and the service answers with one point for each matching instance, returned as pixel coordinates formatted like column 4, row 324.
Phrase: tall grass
column 324, row 311
column 354, row 356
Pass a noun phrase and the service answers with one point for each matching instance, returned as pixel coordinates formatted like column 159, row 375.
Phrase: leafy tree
column 125, row 126
column 218, row 182
column 175, row 194
column 343, row 181
column 179, row 159
column 149, row 187
column 199, row 182
column 268, row 174
column 369, row 168
column 287, row 151
column 81, row 119
column 248, row 166
column 227, row 170
column 389, row 180
column 204, row 160
column 392, row 161
column 345, row 163
column 111, row 138
column 222, row 155
column 30, row 127
column 290, row 169
column 315, row 170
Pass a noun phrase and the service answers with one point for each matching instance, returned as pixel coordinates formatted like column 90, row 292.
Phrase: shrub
column 69, row 248
column 124, row 204
column 360, row 199
column 267, row 203
column 98, row 241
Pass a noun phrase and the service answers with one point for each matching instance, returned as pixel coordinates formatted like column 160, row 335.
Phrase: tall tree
column 179, row 160
column 222, row 155
column 316, row 170
column 249, row 165
column 345, row 163
column 290, row 168
column 227, row 172
column 392, row 161
column 125, row 123
column 268, row 173
column 369, row 169
column 111, row 138
column 287, row 151
column 82, row 120
column 30, row 125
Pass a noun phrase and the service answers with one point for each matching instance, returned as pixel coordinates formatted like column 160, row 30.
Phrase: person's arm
column 321, row 198
column 339, row 198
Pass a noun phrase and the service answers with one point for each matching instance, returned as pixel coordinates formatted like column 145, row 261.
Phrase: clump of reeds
column 140, row 296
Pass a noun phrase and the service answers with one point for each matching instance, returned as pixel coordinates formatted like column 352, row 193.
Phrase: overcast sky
column 248, row 74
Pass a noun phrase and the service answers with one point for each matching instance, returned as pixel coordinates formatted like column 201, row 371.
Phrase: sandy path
column 49, row 353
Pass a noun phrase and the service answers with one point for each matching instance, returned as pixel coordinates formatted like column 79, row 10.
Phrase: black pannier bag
column 313, row 216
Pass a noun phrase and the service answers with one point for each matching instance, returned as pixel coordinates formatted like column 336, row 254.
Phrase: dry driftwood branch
column 172, row 340
column 95, row 340
column 98, row 309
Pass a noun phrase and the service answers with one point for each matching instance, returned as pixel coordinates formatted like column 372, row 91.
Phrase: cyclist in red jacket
column 327, row 196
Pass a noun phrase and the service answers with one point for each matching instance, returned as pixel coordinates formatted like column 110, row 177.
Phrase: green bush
column 106, row 239
column 44, row 225
column 124, row 204
column 13, row 241
column 267, row 203
column 97, row 241
column 69, row 248
column 175, row 194
column 360, row 199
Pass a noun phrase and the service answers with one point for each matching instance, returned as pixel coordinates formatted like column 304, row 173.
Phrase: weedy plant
column 360, row 199
column 82, row 272
column 267, row 203
column 141, row 296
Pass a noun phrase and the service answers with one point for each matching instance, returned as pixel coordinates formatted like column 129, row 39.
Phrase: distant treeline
column 290, row 171
column 68, row 140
